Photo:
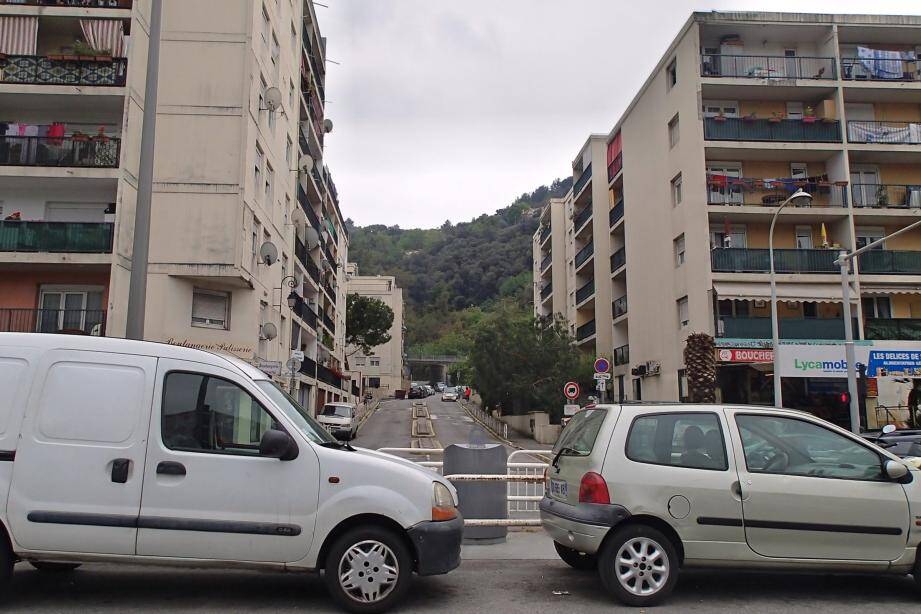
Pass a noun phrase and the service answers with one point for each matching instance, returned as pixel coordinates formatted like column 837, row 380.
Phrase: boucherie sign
column 744, row 355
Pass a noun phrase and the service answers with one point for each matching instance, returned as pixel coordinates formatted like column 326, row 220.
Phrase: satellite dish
column 327, row 125
column 311, row 237
column 299, row 219
column 268, row 253
column 272, row 99
column 305, row 163
column 268, row 331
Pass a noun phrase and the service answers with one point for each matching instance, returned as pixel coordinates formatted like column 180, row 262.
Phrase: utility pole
column 137, row 289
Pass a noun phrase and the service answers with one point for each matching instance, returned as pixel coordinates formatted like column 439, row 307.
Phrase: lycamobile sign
column 883, row 359
column 825, row 366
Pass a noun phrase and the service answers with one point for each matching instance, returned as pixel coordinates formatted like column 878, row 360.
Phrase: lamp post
column 775, row 333
column 293, row 297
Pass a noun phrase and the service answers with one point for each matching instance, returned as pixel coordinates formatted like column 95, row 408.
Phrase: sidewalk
column 514, row 439
column 531, row 544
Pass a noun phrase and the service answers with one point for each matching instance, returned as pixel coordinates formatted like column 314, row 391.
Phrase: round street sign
column 602, row 365
column 571, row 390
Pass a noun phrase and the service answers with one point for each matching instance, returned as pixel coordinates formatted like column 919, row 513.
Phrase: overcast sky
column 446, row 109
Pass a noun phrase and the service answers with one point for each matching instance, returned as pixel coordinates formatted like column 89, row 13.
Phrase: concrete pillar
column 480, row 499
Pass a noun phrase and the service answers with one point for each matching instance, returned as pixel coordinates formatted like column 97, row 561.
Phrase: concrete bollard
column 480, row 499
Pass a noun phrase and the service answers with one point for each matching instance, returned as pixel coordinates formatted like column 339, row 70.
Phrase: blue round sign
column 602, row 365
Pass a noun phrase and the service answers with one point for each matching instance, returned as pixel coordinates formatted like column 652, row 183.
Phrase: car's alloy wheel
column 368, row 571
column 638, row 565
column 642, row 567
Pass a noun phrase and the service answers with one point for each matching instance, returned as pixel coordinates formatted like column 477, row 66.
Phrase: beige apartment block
column 550, row 262
column 672, row 207
column 383, row 371
column 227, row 185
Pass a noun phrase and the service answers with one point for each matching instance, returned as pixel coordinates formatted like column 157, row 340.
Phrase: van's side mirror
column 889, row 428
column 278, row 444
column 895, row 471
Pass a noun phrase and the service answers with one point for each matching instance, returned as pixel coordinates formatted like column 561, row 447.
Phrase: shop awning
column 760, row 291
column 880, row 289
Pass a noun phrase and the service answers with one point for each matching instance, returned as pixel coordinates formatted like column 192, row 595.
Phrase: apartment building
column 384, row 370
column 248, row 244
column 672, row 208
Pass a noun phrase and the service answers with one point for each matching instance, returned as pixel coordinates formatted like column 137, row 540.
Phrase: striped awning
column 105, row 35
column 18, row 35
column 878, row 289
column 813, row 293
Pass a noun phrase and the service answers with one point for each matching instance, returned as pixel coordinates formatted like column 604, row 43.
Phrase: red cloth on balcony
column 56, row 134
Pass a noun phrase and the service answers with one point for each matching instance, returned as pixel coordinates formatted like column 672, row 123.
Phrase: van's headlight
column 442, row 503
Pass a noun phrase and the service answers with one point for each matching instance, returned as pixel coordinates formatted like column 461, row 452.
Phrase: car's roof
column 43, row 341
column 676, row 406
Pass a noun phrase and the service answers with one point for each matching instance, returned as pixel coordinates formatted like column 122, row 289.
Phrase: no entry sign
column 571, row 390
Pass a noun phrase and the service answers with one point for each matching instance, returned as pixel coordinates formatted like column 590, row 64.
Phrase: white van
column 339, row 419
column 115, row 450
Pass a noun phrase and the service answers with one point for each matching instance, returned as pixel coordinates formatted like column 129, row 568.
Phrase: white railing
column 489, row 421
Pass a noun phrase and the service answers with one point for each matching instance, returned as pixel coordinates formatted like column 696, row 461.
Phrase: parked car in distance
column 449, row 395
column 429, row 391
column 641, row 491
column 339, row 419
column 416, row 392
column 440, row 387
column 905, row 443
column 89, row 423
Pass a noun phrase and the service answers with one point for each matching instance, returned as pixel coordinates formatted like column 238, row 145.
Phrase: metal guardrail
column 56, row 237
column 744, row 260
column 71, row 321
column 619, row 307
column 872, row 69
column 616, row 213
column 771, row 130
column 70, row 151
column 885, row 196
column 618, row 259
column 63, row 70
column 767, row 66
column 585, row 291
column 615, row 166
column 585, row 253
column 582, row 180
column 546, row 291
column 622, row 355
column 583, row 217
column 585, row 331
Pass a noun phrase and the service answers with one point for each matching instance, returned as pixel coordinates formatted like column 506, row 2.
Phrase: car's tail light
column 443, row 503
column 593, row 489
column 547, row 478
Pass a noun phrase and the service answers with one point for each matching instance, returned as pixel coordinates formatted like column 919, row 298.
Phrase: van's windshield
column 337, row 411
column 297, row 414
column 578, row 438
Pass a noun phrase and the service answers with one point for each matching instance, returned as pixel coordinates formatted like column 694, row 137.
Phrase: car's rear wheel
column 368, row 570
column 917, row 572
column 576, row 559
column 638, row 565
column 55, row 567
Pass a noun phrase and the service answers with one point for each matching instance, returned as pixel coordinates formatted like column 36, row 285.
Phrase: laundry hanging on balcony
column 884, row 64
column 104, row 35
column 876, row 132
column 18, row 35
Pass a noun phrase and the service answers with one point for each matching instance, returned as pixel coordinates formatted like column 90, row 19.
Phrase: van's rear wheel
column 576, row 559
column 55, row 567
column 368, row 570
column 638, row 565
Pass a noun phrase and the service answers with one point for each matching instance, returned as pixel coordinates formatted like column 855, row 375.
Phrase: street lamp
column 775, row 334
column 293, row 296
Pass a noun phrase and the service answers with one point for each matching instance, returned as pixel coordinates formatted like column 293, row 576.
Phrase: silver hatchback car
column 642, row 491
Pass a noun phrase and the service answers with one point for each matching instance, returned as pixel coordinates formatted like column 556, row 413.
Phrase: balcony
column 622, row 355
column 878, row 69
column 723, row 190
column 767, row 67
column 619, row 307
column 583, row 179
column 616, row 213
column 56, row 237
column 328, row 377
column 309, row 367
column 583, row 217
column 585, row 292
column 771, row 130
column 884, row 132
column 904, row 329
column 546, row 262
column 615, row 167
column 585, row 253
column 88, row 4
column 329, row 290
column 303, row 310
column 740, row 260
column 886, row 196
column 63, row 70
column 544, row 233
column 328, row 323
column 789, row 328
column 890, row 262
column 71, row 321
column 70, row 151
column 308, row 208
column 618, row 259
column 546, row 291
column 585, row 331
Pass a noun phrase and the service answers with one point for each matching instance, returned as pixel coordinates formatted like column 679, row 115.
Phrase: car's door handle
column 120, row 467
column 170, row 468
column 736, row 489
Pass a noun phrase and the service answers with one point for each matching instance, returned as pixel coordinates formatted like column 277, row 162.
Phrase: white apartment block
column 672, row 208
column 226, row 180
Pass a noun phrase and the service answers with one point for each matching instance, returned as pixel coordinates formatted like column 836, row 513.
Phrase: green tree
column 367, row 322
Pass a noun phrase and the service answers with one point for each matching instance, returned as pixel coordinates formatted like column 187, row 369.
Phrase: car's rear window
column 580, row 434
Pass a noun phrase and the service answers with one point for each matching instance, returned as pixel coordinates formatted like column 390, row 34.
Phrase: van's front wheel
column 368, row 570
column 55, row 567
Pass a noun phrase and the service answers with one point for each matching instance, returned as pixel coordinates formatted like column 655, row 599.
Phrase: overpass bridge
column 439, row 362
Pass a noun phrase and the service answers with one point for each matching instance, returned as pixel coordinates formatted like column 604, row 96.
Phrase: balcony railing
column 585, row 253
column 307, row 314
column 886, row 196
column 904, row 329
column 585, row 291
column 890, row 261
column 582, row 180
column 618, row 259
column 309, row 367
column 308, row 209
column 790, row 328
column 73, row 321
column 741, row 260
column 83, row 4
column 546, row 262
column 63, row 70
column 546, row 291
column 56, row 237
column 583, row 217
column 723, row 190
column 619, row 307
column 622, row 355
column 329, row 323
column 71, row 151
column 885, row 132
column 329, row 290
column 767, row 67
column 328, row 377
column 616, row 213
column 771, row 130
column 872, row 69
column 615, row 166
column 585, row 331
column 544, row 233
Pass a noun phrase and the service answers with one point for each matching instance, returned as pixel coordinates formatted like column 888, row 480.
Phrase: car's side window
column 203, row 413
column 788, row 446
column 693, row 440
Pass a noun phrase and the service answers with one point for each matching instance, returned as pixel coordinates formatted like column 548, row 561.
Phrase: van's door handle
column 170, row 468
column 120, row 467
column 736, row 490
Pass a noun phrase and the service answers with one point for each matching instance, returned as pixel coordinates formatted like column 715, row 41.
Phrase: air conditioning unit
column 653, row 367
column 638, row 371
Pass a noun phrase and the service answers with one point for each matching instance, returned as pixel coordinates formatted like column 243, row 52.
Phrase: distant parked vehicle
column 429, row 391
column 905, row 443
column 448, row 395
column 339, row 419
column 416, row 392
column 440, row 387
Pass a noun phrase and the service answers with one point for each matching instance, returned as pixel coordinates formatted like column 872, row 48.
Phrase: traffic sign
column 571, row 390
column 602, row 365
column 297, row 354
column 602, row 376
column 293, row 365
column 602, row 385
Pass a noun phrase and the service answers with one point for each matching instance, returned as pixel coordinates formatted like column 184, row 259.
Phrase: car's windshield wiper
column 564, row 450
